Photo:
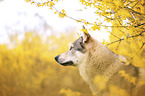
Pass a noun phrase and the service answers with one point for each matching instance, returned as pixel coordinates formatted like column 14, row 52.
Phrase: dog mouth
column 63, row 63
column 67, row 63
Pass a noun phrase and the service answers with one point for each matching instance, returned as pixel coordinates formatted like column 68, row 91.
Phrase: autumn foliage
column 27, row 67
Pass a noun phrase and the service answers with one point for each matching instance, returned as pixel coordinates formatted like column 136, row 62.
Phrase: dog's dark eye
column 82, row 45
column 70, row 48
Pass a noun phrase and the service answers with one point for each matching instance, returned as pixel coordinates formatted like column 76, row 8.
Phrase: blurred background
column 30, row 38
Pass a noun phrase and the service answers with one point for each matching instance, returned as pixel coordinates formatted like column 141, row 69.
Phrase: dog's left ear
column 85, row 37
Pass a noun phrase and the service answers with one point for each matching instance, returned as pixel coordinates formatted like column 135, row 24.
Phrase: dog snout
column 56, row 58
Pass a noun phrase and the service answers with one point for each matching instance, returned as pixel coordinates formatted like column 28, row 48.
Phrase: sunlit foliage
column 127, row 38
column 101, row 81
column 116, row 91
column 69, row 92
column 128, row 24
column 128, row 77
column 27, row 67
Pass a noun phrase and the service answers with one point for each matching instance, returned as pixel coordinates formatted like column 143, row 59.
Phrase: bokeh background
column 30, row 38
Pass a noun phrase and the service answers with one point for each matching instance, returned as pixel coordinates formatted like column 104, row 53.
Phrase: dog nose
column 56, row 58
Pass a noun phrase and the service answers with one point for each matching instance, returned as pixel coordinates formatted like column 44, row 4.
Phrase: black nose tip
column 56, row 58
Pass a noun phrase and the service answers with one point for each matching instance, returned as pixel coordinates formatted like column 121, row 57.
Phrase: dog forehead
column 78, row 41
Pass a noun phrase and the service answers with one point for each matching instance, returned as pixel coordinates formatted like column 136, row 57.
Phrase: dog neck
column 97, row 61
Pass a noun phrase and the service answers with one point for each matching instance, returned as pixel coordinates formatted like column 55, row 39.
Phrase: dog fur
column 95, row 60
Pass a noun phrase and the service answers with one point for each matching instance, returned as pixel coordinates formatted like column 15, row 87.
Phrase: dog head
column 76, row 53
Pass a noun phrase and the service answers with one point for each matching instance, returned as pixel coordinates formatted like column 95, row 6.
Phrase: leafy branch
column 51, row 5
column 140, row 34
column 141, row 14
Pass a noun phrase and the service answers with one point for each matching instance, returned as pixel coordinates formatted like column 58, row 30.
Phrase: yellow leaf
column 84, row 30
column 95, row 26
column 101, row 82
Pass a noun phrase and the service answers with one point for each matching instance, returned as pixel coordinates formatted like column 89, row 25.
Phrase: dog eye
column 82, row 46
column 70, row 48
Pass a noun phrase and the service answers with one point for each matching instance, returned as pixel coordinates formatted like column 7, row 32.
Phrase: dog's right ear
column 85, row 37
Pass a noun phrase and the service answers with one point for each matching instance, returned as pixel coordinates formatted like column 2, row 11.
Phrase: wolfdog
column 102, row 69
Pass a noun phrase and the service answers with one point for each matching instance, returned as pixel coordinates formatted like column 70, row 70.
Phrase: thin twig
column 118, row 45
column 141, row 14
column 113, row 35
column 83, row 21
column 139, row 25
column 127, row 37
column 135, row 4
column 138, row 51
column 122, row 32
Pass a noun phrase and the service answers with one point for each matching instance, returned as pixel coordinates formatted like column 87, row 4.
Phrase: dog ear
column 85, row 37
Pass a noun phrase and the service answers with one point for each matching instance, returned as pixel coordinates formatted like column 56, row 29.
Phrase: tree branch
column 135, row 4
column 118, row 45
column 113, row 35
column 46, row 3
column 127, row 37
column 139, row 25
column 143, row 43
column 134, row 11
